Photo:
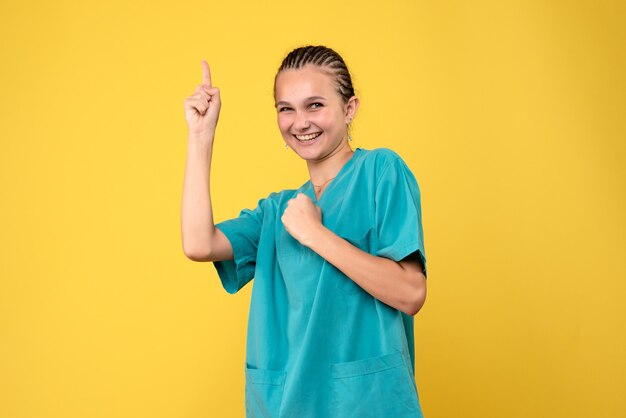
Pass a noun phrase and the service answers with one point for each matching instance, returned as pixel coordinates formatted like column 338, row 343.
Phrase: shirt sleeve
column 399, row 214
column 243, row 233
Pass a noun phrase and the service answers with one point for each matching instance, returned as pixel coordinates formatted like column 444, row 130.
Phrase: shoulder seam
column 388, row 163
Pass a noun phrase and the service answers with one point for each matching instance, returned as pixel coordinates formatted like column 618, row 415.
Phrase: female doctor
column 339, row 263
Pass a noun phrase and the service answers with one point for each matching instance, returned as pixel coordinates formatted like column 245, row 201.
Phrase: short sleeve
column 398, row 213
column 243, row 233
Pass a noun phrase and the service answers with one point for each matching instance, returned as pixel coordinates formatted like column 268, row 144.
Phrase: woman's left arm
column 401, row 285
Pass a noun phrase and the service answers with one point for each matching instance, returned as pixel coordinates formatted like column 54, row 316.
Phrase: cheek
column 283, row 123
column 324, row 119
column 331, row 119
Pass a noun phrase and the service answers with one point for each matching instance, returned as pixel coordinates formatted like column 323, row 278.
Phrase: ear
column 350, row 108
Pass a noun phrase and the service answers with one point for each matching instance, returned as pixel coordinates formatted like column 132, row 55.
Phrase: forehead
column 310, row 80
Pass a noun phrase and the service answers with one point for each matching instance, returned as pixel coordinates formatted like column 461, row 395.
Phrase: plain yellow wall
column 510, row 114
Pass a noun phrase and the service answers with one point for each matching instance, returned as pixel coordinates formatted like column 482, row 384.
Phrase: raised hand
column 202, row 108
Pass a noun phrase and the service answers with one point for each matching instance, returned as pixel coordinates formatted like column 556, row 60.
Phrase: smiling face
column 312, row 116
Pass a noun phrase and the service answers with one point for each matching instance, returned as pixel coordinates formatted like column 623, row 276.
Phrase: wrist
column 317, row 236
column 199, row 142
column 201, row 138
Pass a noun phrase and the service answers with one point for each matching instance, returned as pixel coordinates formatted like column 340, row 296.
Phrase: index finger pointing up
column 206, row 73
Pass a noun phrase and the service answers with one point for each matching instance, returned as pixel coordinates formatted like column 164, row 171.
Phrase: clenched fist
column 302, row 218
column 202, row 108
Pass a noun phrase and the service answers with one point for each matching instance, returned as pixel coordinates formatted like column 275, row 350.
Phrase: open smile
column 308, row 137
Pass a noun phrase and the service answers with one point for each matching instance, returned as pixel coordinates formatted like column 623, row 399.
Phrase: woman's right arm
column 202, row 241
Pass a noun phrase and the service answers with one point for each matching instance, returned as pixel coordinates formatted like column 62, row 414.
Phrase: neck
column 328, row 167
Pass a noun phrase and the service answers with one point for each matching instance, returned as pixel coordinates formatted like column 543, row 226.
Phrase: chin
column 308, row 154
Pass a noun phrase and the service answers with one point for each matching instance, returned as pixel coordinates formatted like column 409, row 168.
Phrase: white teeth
column 308, row 137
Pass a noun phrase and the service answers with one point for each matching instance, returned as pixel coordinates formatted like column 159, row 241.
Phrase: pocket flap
column 265, row 376
column 361, row 241
column 368, row 365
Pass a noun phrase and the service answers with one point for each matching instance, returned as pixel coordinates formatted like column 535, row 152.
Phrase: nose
column 301, row 122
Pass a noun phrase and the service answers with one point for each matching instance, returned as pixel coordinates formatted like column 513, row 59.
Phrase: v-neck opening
column 337, row 177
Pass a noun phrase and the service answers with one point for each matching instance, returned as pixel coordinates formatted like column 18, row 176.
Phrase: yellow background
column 510, row 114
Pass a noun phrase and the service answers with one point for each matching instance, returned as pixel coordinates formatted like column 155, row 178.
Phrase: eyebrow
column 306, row 100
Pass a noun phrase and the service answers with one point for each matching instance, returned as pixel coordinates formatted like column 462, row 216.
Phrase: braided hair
column 325, row 58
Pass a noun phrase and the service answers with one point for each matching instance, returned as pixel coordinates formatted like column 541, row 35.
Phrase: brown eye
column 316, row 103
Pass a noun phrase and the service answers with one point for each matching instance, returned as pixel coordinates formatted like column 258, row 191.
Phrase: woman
column 339, row 263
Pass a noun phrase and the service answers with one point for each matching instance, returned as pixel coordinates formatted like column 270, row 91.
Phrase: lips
column 308, row 137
